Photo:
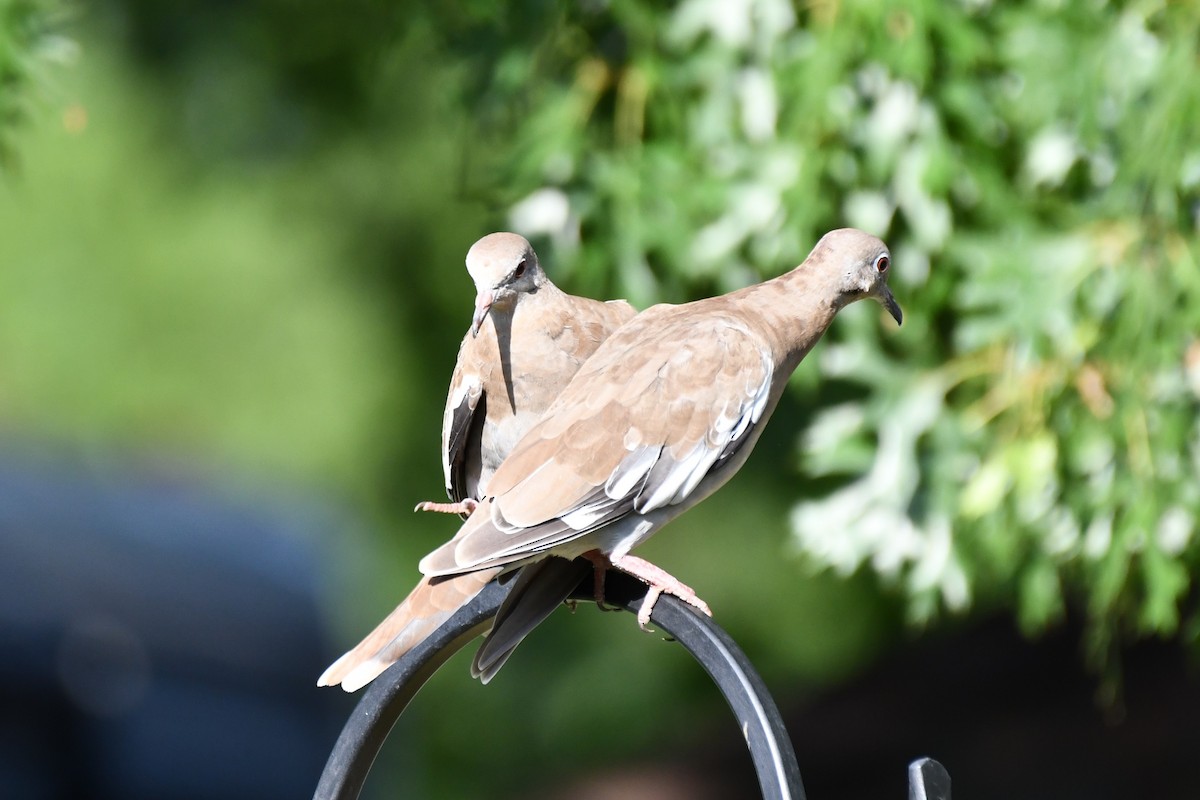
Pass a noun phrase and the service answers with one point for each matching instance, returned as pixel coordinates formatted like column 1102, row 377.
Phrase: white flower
column 871, row 211
column 545, row 211
column 1098, row 537
column 1174, row 531
column 732, row 22
column 760, row 107
column 1051, row 155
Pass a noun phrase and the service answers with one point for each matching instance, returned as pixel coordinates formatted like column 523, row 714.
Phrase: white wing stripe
column 587, row 515
column 632, row 470
column 698, row 473
column 670, row 481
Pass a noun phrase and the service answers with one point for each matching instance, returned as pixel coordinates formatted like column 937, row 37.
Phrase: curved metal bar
column 928, row 780
column 755, row 709
column 390, row 693
column 747, row 695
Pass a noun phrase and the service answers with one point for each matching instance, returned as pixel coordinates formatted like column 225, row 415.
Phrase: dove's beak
column 889, row 302
column 483, row 304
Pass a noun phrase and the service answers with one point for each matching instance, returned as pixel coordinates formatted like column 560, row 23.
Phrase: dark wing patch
column 464, row 437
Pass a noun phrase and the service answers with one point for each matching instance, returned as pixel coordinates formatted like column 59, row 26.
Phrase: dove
column 526, row 341
column 662, row 415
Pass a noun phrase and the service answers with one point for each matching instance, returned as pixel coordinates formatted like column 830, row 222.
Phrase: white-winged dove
column 526, row 341
column 662, row 415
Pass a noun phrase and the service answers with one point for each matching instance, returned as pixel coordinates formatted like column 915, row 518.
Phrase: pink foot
column 657, row 578
column 461, row 507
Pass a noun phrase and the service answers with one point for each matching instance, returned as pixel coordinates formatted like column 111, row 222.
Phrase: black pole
column 928, row 780
column 389, row 694
column 386, row 698
column 747, row 695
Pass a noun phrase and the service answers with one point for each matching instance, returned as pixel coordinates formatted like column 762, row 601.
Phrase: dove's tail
column 539, row 588
column 430, row 604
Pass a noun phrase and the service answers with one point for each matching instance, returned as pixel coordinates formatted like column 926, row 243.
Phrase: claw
column 658, row 579
column 643, row 616
column 466, row 506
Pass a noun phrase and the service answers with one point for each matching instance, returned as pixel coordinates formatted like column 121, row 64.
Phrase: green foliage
column 29, row 44
column 1031, row 436
column 239, row 239
column 204, row 321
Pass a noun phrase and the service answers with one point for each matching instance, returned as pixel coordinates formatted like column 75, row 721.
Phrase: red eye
column 882, row 263
column 520, row 270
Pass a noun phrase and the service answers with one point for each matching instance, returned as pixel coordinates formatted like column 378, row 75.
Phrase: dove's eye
column 882, row 263
column 520, row 270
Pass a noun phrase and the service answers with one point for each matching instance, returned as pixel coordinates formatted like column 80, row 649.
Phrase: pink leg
column 462, row 507
column 659, row 581
column 657, row 578
column 600, row 564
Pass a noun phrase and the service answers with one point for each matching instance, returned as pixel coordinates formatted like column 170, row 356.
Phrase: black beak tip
column 887, row 301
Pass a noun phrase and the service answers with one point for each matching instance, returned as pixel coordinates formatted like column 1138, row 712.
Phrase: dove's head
column 864, row 263
column 503, row 266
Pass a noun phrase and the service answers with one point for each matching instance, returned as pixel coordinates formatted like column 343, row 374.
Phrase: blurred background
column 232, row 289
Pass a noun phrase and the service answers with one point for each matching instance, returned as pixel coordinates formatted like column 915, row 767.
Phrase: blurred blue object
column 158, row 640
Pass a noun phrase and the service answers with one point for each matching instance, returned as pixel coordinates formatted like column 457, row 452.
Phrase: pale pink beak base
column 483, row 304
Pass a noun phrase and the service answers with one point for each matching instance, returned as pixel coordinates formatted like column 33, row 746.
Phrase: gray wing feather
column 463, row 435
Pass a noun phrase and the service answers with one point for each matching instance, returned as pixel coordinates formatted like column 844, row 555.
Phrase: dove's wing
column 462, row 427
column 664, row 402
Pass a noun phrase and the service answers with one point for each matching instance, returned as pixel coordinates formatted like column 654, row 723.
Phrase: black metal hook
column 755, row 709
